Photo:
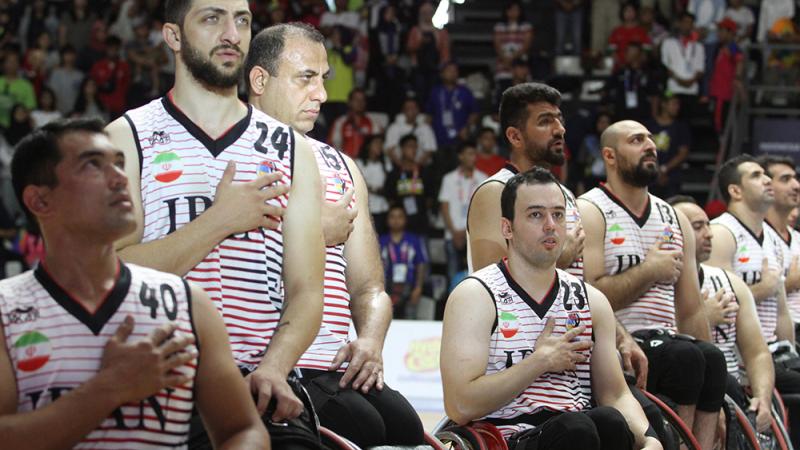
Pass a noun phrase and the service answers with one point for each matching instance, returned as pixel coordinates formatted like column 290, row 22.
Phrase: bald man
column 637, row 254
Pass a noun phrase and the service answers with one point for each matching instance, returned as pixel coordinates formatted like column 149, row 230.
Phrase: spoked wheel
column 681, row 434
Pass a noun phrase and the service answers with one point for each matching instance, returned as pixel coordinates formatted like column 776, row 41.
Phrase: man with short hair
column 528, row 347
column 451, row 107
column 410, row 121
column 14, row 88
column 637, row 254
column 285, row 69
column 120, row 352
column 208, row 207
column 348, row 132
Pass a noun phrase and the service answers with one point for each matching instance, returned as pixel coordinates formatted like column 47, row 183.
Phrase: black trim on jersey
column 511, row 168
column 547, row 301
column 701, row 274
column 588, row 303
column 291, row 152
column 94, row 321
column 485, row 182
column 190, row 310
column 733, row 291
column 641, row 221
column 789, row 242
column 494, row 302
column 346, row 166
column 136, row 140
column 214, row 146
column 760, row 240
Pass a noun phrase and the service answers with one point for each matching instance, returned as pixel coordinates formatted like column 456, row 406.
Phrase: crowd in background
column 397, row 99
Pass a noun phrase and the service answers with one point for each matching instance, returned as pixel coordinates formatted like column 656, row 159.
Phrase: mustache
column 227, row 47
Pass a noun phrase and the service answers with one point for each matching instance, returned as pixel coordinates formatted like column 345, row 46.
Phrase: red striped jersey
column 181, row 167
column 747, row 261
column 520, row 321
column 56, row 345
column 791, row 249
column 627, row 240
column 336, row 318
column 573, row 216
column 712, row 279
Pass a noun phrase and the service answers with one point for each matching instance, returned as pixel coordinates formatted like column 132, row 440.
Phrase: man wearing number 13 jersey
column 207, row 205
column 285, row 69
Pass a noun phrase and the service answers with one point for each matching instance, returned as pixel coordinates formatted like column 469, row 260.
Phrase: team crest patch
column 265, row 167
column 505, row 298
column 611, row 214
column 159, row 137
column 167, row 167
column 743, row 258
column 615, row 234
column 509, row 324
column 33, row 351
column 667, row 234
column 573, row 320
column 338, row 185
column 23, row 315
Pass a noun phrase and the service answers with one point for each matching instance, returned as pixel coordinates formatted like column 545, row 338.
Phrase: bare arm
column 613, row 391
column 690, row 317
column 754, row 351
column 223, row 400
column 785, row 326
column 183, row 249
column 723, row 247
column 487, row 245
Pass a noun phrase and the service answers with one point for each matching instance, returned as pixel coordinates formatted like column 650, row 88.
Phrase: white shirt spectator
column 685, row 61
column 771, row 11
column 744, row 18
column 457, row 191
column 374, row 173
column 348, row 19
column 426, row 140
column 41, row 118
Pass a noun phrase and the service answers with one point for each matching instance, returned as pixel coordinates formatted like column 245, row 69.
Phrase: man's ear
column 257, row 80
column 505, row 228
column 37, row 200
column 171, row 33
column 514, row 137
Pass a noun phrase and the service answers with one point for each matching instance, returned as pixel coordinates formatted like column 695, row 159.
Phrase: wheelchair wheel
column 674, row 425
column 453, row 441
column 333, row 440
column 491, row 436
column 740, row 432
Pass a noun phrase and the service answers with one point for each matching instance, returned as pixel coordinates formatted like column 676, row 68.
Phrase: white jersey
column 336, row 317
column 520, row 321
column 747, row 261
column 572, row 215
column 712, row 279
column 181, row 167
column 56, row 345
column 791, row 249
column 627, row 240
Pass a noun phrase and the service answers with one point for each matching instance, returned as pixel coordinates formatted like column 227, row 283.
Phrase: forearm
column 567, row 257
column 761, row 291
column 372, row 314
column 624, row 288
column 296, row 330
column 637, row 421
column 695, row 325
column 254, row 437
column 761, row 373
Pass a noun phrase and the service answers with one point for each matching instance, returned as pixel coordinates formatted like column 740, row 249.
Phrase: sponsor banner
column 777, row 136
column 411, row 363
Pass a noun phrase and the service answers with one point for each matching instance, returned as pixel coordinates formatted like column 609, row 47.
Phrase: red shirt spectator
column 113, row 77
column 726, row 69
column 630, row 31
column 348, row 132
column 489, row 164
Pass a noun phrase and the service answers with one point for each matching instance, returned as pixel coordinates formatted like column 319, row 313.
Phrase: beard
column 204, row 71
column 639, row 175
column 550, row 154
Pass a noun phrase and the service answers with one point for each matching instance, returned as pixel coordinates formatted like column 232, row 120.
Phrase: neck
column 411, row 120
column 635, row 198
column 754, row 220
column 396, row 235
column 196, row 101
column 779, row 219
column 536, row 281
column 523, row 163
column 664, row 119
column 467, row 171
column 449, row 84
column 409, row 165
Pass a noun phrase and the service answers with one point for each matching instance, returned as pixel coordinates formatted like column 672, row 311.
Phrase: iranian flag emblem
column 509, row 325
column 167, row 167
column 33, row 351
column 615, row 234
column 743, row 258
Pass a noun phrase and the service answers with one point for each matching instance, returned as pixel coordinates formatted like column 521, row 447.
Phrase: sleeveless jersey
column 336, row 318
column 572, row 215
column 747, row 260
column 790, row 248
column 181, row 167
column 712, row 279
column 520, row 321
column 56, row 345
column 627, row 240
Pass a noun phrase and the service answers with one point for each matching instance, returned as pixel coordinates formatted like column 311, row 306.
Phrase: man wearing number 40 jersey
column 96, row 353
column 285, row 69
column 203, row 168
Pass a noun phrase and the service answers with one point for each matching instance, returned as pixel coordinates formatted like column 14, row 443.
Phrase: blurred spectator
column 33, row 68
column 520, row 73
column 454, row 196
column 145, row 60
column 487, row 159
column 348, row 132
column 36, row 19
column 410, row 121
column 707, row 14
column 66, row 81
column 512, row 40
column 46, row 111
column 390, row 77
column 405, row 262
column 75, row 26
column 569, row 26
column 452, row 108
column 783, row 65
column 375, row 167
column 605, row 17
column 655, row 31
column 44, row 42
column 629, row 32
column 684, row 59
column 113, row 77
column 672, row 138
column 727, row 70
column 341, row 16
column 590, row 157
column 131, row 14
column 632, row 89
column 411, row 186
column 20, row 124
column 88, row 104
column 13, row 88
column 769, row 13
column 428, row 47
column 349, row 19
column 744, row 19
column 341, row 56
column 95, row 50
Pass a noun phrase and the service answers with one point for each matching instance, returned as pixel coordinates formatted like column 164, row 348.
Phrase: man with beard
column 209, row 207
column 637, row 255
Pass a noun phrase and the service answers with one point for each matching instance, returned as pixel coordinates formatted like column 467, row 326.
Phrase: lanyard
column 469, row 182
column 403, row 252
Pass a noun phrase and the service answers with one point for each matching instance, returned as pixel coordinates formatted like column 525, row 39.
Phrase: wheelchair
column 335, row 442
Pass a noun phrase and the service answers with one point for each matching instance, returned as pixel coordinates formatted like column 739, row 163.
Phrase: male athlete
column 528, row 347
column 98, row 353
column 286, row 67
column 204, row 205
column 637, row 254
column 731, row 312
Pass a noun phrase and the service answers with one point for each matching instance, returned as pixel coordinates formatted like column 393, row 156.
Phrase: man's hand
column 146, row 367
column 459, row 239
column 793, row 277
column 719, row 306
column 559, row 353
column 574, row 242
column 266, row 385
column 651, row 443
column 337, row 218
column 769, row 278
column 243, row 206
column 763, row 416
column 665, row 264
column 365, row 368
column 633, row 359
